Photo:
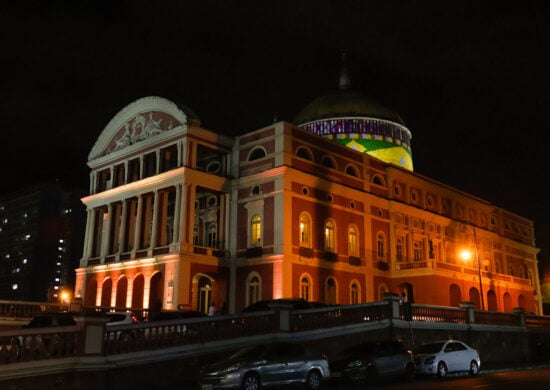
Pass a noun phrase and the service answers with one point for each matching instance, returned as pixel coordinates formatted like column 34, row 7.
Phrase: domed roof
column 345, row 104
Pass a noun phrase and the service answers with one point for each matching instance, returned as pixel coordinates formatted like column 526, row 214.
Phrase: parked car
column 273, row 364
column 120, row 318
column 295, row 303
column 442, row 357
column 45, row 320
column 367, row 361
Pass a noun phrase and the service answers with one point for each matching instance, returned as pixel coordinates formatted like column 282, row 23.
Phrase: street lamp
column 466, row 255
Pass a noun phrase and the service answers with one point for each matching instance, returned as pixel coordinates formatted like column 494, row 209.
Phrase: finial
column 345, row 82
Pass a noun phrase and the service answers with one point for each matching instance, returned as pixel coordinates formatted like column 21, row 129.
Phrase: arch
column 304, row 153
column 352, row 170
column 522, row 302
column 331, row 291
column 474, row 297
column 256, row 153
column 156, row 291
column 329, row 162
column 253, row 288
column 355, row 292
column 492, row 301
column 106, row 292
column 137, row 291
column 330, row 236
column 407, row 291
column 382, row 289
column 378, row 180
column 305, row 229
column 203, row 292
column 507, row 300
column 353, row 243
column 380, row 245
column 306, row 287
column 121, row 292
column 455, row 295
column 91, row 292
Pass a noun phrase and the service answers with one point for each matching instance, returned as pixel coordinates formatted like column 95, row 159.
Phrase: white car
column 120, row 318
column 442, row 357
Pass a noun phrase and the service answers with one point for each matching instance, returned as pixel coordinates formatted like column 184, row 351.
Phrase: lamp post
column 466, row 255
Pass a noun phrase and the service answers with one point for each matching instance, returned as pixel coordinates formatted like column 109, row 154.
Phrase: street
column 535, row 378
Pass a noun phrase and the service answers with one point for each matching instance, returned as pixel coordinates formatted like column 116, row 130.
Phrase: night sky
column 469, row 78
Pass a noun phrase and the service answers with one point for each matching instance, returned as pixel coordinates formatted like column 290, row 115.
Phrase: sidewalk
column 510, row 366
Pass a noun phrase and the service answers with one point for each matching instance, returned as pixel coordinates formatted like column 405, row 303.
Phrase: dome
column 345, row 104
column 353, row 120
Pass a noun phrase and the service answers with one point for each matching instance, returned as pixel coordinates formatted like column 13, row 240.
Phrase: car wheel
column 442, row 370
column 251, row 381
column 314, row 380
column 410, row 372
column 474, row 368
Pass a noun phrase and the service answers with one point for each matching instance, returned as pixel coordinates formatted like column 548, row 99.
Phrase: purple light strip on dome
column 358, row 125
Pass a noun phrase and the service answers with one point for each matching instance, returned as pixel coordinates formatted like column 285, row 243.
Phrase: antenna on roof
column 344, row 82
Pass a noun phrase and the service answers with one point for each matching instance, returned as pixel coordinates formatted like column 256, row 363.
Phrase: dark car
column 46, row 320
column 273, row 364
column 295, row 304
column 367, row 361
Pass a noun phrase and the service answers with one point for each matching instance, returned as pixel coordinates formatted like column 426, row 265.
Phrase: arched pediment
column 140, row 120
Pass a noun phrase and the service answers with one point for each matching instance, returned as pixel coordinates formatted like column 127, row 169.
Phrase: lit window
column 256, row 230
column 330, row 239
column 57, row 279
column 27, row 236
column 61, row 241
column 24, row 261
column 353, row 247
column 14, row 286
column 305, row 230
column 56, row 287
column 7, row 256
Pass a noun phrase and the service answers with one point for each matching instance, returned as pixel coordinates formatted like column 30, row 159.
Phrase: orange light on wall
column 65, row 297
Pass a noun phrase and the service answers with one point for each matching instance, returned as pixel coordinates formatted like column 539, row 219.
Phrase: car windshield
column 429, row 348
column 248, row 353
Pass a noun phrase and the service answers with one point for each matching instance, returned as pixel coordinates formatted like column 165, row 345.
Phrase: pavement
column 511, row 366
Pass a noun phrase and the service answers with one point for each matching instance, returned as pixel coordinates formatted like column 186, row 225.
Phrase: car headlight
column 230, row 369
column 429, row 360
column 355, row 363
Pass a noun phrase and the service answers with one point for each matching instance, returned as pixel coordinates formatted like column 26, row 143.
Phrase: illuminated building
column 188, row 216
column 40, row 239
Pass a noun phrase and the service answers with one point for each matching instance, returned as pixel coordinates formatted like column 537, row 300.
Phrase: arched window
column 380, row 246
column 305, row 288
column 330, row 237
column 355, row 292
column 304, row 153
column 256, row 230
column 305, row 230
column 328, row 162
column 256, row 154
column 331, row 295
column 378, row 180
column 353, row 246
column 399, row 250
column 351, row 170
column 253, row 288
column 212, row 238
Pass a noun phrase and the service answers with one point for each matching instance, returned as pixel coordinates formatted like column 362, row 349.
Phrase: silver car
column 272, row 364
column 442, row 357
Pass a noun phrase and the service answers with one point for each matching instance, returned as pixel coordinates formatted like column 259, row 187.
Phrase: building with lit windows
column 328, row 209
column 41, row 233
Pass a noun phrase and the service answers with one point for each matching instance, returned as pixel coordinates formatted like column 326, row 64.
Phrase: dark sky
column 469, row 78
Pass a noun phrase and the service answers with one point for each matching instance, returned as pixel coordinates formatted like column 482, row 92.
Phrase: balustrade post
column 282, row 311
column 520, row 312
column 92, row 334
column 394, row 300
column 469, row 308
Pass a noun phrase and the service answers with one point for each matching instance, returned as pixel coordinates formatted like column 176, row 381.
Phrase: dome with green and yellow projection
column 359, row 123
